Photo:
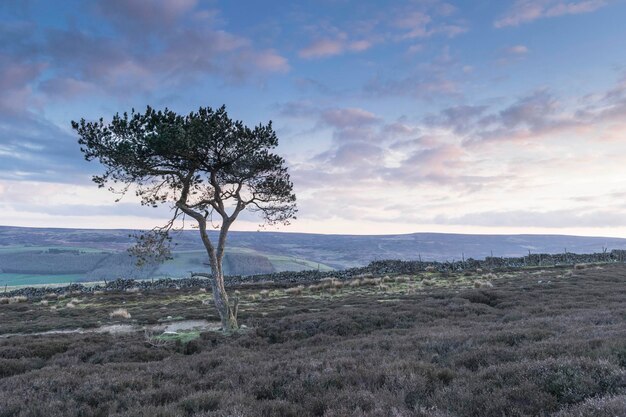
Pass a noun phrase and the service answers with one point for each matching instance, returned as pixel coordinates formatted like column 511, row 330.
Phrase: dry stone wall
column 375, row 268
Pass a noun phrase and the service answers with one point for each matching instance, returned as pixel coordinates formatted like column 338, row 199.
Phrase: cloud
column 394, row 24
column 526, row 11
column 349, row 117
column 540, row 115
column 461, row 118
column 153, row 44
column 512, row 54
column 33, row 148
column 149, row 46
column 438, row 78
column 423, row 86
column 323, row 48
column 516, row 50
column 418, row 24
column 144, row 15
column 601, row 218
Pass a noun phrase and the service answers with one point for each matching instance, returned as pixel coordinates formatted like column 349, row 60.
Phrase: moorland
column 527, row 342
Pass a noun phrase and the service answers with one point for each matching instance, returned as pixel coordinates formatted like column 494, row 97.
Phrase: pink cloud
column 525, row 11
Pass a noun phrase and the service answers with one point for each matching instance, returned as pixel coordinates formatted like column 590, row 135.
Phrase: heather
column 535, row 342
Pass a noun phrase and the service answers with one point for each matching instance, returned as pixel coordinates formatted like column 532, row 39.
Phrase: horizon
column 329, row 234
column 426, row 116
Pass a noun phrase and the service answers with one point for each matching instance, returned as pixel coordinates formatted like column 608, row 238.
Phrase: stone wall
column 375, row 268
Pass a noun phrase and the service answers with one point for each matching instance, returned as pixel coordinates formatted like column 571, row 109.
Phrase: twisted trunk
column 220, row 297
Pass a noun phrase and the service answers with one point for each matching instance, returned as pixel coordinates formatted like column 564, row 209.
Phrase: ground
column 526, row 343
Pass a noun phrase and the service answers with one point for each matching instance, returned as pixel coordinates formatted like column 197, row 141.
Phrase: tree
column 205, row 165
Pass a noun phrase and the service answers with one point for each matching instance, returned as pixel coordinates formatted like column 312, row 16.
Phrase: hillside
column 47, row 255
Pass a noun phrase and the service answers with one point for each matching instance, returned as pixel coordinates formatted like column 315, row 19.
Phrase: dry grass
column 18, row 299
column 119, row 313
column 295, row 290
column 482, row 284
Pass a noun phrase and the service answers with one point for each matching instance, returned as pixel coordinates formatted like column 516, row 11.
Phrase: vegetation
column 205, row 164
column 536, row 343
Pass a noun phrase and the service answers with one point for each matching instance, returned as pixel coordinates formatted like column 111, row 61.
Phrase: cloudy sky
column 482, row 116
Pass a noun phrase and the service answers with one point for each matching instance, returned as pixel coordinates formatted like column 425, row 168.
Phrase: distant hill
column 88, row 254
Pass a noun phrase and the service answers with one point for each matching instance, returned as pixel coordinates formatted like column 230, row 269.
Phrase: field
column 35, row 279
column 36, row 265
column 525, row 343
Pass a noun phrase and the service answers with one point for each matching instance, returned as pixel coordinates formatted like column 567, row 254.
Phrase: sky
column 475, row 116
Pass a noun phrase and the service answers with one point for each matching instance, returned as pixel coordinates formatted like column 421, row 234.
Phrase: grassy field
column 183, row 262
column 31, row 279
column 289, row 263
column 31, row 248
column 528, row 343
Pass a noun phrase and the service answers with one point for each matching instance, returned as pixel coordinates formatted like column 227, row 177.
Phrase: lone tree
column 204, row 164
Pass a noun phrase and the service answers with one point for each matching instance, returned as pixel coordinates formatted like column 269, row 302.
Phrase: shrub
column 611, row 406
column 200, row 402
column 18, row 299
column 581, row 266
column 4, row 300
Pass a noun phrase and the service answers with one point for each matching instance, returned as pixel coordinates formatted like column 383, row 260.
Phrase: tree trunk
column 227, row 316
column 220, row 297
column 226, row 312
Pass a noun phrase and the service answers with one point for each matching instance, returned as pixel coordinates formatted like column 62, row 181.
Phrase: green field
column 29, row 248
column 12, row 280
column 289, row 263
column 182, row 264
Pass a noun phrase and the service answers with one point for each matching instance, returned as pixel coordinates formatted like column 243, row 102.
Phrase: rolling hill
column 50, row 255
